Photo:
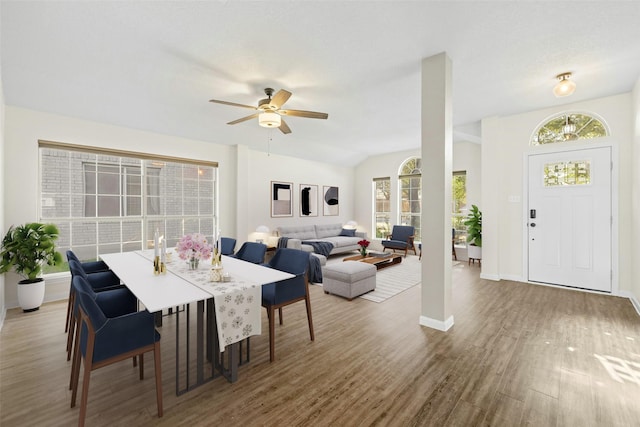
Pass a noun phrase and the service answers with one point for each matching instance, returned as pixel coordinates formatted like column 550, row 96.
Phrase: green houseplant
column 25, row 248
column 474, row 233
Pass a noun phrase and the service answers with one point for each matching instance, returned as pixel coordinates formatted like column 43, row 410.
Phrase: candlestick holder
column 156, row 265
column 216, row 258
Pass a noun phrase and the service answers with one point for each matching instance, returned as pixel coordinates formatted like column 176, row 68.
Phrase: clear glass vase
column 193, row 263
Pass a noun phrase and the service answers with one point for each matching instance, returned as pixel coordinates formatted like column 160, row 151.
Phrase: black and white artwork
column 330, row 201
column 281, row 199
column 308, row 200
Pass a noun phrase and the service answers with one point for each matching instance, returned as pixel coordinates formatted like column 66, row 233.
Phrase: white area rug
column 392, row 280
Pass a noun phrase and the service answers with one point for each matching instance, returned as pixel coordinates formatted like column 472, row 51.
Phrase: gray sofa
column 325, row 233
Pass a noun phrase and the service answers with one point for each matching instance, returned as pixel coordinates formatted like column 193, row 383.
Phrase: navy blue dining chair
column 103, row 277
column 88, row 266
column 104, row 341
column 114, row 303
column 251, row 252
column 228, row 245
column 285, row 292
column 102, row 281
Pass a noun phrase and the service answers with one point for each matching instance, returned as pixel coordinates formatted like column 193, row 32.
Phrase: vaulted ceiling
column 154, row 65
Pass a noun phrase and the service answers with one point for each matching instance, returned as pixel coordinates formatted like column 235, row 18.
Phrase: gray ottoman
column 349, row 279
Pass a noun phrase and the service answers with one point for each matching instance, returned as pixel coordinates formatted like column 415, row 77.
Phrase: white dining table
column 233, row 307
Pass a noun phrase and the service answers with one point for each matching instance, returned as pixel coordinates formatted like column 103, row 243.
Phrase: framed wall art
column 308, row 200
column 330, row 201
column 281, row 199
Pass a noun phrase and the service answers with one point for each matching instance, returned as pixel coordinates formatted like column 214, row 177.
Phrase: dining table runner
column 237, row 302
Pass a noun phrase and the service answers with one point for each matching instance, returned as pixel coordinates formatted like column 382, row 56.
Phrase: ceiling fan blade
column 233, row 104
column 244, row 119
column 280, row 98
column 302, row 113
column 284, row 127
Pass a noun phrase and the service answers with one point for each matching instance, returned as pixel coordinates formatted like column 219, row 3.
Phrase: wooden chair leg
column 141, row 356
column 75, row 364
column 70, row 336
column 85, row 392
column 69, row 310
column 158, row 370
column 88, row 366
column 75, row 370
column 272, row 332
column 308, row 303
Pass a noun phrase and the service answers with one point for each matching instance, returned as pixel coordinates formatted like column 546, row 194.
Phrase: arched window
column 569, row 126
column 409, row 178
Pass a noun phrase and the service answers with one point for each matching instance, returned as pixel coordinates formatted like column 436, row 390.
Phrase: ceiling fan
column 269, row 112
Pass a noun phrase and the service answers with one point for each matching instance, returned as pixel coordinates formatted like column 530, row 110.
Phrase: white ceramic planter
column 474, row 252
column 30, row 295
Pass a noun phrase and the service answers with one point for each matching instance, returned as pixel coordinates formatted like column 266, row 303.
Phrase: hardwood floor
column 518, row 354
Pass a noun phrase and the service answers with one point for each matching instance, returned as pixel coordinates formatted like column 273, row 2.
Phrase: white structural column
column 437, row 156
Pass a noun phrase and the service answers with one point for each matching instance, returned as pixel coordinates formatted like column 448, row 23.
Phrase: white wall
column 23, row 129
column 466, row 156
column 505, row 140
column 264, row 168
column 244, row 176
column 2, row 227
column 634, row 288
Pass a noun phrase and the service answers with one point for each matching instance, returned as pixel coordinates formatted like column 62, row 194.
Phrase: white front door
column 569, row 218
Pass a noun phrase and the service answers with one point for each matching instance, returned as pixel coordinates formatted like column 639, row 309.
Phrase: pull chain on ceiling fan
column 269, row 112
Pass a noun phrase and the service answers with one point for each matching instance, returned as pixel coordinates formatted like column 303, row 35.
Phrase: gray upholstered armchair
column 401, row 238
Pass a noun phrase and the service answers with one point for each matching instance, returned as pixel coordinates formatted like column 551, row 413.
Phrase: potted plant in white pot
column 25, row 249
column 474, row 233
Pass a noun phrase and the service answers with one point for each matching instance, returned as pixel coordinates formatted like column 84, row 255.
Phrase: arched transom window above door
column 569, row 126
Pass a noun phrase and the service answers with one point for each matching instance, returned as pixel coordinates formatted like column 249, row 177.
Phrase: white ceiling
column 154, row 65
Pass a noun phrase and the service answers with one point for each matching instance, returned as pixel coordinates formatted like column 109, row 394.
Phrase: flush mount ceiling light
column 565, row 86
column 269, row 120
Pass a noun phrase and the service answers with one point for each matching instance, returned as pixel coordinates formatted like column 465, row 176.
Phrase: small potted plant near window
column 474, row 233
column 25, row 249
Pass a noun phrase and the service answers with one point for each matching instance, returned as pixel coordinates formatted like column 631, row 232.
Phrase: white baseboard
column 512, row 278
column 436, row 324
column 633, row 299
column 493, row 277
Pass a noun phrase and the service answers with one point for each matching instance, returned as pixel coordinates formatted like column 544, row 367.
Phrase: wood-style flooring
column 518, row 354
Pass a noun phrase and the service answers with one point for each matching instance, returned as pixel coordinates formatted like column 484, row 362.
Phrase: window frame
column 415, row 173
column 204, row 219
column 376, row 212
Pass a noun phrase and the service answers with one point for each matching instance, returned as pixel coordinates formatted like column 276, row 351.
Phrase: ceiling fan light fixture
column 565, row 86
column 269, row 120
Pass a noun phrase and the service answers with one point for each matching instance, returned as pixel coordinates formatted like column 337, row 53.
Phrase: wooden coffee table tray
column 379, row 261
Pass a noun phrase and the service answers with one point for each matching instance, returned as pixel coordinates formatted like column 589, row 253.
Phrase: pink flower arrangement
column 193, row 246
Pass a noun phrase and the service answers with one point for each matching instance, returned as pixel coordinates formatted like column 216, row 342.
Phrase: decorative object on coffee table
column 364, row 244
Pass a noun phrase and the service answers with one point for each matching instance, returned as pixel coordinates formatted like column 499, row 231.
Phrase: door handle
column 533, row 224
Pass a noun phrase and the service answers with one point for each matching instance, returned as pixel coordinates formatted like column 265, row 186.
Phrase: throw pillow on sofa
column 348, row 232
